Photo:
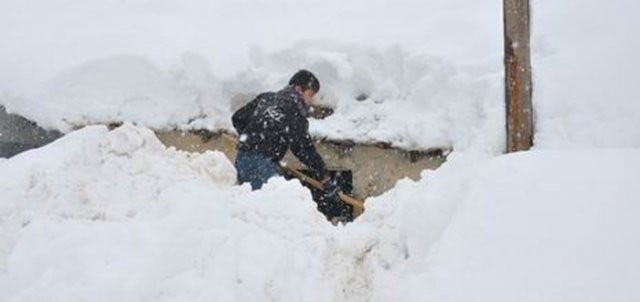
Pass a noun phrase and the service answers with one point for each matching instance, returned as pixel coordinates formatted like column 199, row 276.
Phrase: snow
column 539, row 226
column 585, row 70
column 188, row 65
column 105, row 208
column 116, row 216
column 168, row 64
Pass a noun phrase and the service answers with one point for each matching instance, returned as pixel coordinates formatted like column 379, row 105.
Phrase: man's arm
column 303, row 148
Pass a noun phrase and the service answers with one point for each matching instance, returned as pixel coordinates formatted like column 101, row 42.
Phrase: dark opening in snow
column 333, row 208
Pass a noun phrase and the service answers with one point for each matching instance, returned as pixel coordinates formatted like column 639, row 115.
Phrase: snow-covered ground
column 184, row 64
column 116, row 216
column 431, row 70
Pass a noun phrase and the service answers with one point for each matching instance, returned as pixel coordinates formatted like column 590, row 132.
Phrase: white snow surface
column 585, row 73
column 189, row 64
column 105, row 215
column 431, row 70
column 115, row 216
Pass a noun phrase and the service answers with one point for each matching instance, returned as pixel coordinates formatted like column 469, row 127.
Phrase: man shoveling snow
column 276, row 122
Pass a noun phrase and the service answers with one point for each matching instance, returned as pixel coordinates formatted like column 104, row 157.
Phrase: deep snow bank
column 585, row 67
column 535, row 226
column 440, row 85
column 127, row 88
column 179, row 64
column 390, row 95
column 116, row 216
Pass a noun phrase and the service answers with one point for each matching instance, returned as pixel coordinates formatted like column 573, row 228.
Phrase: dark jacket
column 273, row 123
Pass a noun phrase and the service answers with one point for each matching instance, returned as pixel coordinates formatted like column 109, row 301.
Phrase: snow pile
column 430, row 71
column 126, row 219
column 126, row 88
column 119, row 217
column 390, row 95
column 374, row 92
column 586, row 67
column 188, row 65
column 116, row 216
column 535, row 226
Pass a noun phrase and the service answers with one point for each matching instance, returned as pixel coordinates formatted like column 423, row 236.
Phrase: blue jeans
column 254, row 168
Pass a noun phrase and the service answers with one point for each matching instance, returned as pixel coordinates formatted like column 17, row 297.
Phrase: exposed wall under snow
column 18, row 134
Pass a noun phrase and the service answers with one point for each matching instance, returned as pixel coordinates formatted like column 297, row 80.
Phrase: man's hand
column 331, row 188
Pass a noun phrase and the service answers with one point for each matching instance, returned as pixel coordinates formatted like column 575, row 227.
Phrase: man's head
column 306, row 84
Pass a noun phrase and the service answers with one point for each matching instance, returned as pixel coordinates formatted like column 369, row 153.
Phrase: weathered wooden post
column 517, row 66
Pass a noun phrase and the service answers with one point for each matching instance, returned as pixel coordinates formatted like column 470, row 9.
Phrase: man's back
column 268, row 128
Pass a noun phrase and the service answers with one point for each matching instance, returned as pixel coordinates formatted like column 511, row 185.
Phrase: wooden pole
column 519, row 113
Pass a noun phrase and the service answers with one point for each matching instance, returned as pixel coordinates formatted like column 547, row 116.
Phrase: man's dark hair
column 306, row 80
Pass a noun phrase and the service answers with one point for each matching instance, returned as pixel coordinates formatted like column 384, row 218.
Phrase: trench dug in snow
column 369, row 169
column 363, row 169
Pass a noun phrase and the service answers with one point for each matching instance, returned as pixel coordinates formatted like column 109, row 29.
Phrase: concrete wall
column 375, row 169
column 18, row 134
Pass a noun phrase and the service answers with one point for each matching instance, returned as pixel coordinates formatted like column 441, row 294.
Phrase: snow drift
column 117, row 216
column 374, row 92
column 105, row 208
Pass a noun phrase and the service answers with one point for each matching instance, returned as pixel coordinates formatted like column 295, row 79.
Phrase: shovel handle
column 318, row 185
